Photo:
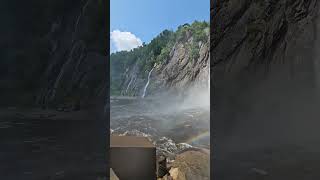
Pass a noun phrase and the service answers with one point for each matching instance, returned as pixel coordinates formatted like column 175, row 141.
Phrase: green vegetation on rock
column 156, row 52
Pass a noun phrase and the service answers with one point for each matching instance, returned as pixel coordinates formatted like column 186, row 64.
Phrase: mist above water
column 183, row 117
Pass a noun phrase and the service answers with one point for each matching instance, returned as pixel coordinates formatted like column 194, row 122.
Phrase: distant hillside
column 173, row 61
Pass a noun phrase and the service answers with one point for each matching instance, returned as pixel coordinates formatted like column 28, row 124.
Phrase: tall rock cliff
column 53, row 53
column 182, row 63
column 265, row 69
column 181, row 73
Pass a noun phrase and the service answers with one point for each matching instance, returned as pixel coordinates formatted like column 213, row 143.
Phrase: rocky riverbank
column 190, row 165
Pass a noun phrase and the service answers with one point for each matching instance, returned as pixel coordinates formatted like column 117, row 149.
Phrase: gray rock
column 265, row 64
column 113, row 176
column 178, row 74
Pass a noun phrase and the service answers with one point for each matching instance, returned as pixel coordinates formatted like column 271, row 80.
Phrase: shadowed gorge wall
column 53, row 53
column 265, row 74
column 263, row 60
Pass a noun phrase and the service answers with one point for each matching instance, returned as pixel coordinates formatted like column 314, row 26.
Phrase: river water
column 170, row 126
column 39, row 149
column 75, row 148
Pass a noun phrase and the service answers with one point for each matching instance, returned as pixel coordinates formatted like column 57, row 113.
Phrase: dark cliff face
column 53, row 53
column 265, row 72
column 264, row 64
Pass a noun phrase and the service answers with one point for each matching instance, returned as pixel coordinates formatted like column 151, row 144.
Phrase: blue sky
column 135, row 21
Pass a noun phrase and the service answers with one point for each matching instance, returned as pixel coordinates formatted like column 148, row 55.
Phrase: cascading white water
column 146, row 86
column 129, row 84
column 209, row 79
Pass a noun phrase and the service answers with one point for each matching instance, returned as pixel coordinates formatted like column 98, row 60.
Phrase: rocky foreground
column 190, row 165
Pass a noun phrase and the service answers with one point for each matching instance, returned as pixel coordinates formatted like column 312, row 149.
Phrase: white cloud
column 124, row 41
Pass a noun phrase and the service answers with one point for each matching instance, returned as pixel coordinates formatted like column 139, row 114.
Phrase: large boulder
column 191, row 165
column 113, row 176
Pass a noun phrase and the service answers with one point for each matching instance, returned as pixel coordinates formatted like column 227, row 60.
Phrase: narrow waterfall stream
column 129, row 84
column 209, row 79
column 146, row 86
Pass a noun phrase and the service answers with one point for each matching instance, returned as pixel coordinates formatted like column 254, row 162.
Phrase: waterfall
column 129, row 84
column 146, row 86
column 78, row 20
column 209, row 79
column 78, row 44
